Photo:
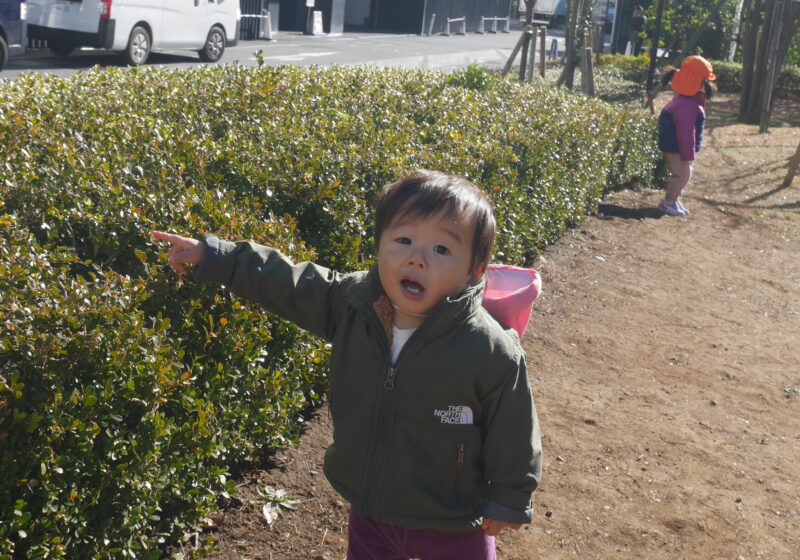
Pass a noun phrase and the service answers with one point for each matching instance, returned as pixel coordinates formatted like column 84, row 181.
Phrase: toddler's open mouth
column 412, row 288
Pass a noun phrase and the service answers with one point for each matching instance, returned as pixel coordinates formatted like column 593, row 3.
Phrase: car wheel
column 3, row 52
column 138, row 48
column 215, row 45
column 61, row 48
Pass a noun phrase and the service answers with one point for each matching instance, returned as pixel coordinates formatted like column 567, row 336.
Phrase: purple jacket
column 680, row 125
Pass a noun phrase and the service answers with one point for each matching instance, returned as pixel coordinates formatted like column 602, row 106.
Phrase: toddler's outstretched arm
column 493, row 526
column 184, row 250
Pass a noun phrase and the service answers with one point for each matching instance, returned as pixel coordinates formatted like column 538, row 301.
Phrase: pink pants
column 370, row 540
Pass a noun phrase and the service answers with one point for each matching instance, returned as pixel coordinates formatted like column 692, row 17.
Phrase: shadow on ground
column 785, row 112
column 610, row 211
column 43, row 61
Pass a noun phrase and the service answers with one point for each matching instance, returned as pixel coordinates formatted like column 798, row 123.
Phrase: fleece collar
column 367, row 295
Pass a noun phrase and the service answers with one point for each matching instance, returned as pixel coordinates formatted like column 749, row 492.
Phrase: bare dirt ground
column 664, row 354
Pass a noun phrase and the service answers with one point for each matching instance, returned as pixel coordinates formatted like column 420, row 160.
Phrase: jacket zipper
column 460, row 470
column 379, row 450
column 384, row 420
column 389, row 383
column 374, row 450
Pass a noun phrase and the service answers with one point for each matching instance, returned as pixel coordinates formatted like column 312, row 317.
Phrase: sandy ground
column 664, row 355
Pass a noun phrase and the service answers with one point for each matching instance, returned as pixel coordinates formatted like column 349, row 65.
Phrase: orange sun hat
column 689, row 79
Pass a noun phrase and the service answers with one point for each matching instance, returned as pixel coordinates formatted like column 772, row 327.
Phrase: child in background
column 680, row 126
column 638, row 21
column 436, row 441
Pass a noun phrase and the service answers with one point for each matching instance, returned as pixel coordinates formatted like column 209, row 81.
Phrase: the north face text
column 455, row 414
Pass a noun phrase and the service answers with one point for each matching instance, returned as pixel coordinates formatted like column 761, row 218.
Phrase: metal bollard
column 266, row 25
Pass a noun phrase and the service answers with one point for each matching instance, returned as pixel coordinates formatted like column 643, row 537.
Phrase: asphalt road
column 379, row 49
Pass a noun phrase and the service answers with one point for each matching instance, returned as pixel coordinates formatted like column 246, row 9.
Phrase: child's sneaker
column 671, row 208
column 682, row 207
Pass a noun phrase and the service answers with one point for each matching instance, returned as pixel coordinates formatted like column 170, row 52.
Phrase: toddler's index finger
column 168, row 237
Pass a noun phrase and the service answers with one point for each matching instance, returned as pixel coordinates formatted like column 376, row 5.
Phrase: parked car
column 13, row 29
column 135, row 28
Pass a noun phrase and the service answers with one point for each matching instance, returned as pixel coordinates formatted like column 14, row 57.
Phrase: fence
column 259, row 19
column 462, row 25
column 493, row 28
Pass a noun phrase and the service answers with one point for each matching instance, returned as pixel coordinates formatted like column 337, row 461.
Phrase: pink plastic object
column 510, row 293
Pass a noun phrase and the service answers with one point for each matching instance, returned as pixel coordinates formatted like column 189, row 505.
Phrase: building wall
column 397, row 17
column 394, row 16
column 357, row 12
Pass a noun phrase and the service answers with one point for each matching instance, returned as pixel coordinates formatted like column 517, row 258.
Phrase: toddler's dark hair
column 422, row 193
column 709, row 87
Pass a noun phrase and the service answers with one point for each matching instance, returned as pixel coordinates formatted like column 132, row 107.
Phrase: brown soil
column 664, row 354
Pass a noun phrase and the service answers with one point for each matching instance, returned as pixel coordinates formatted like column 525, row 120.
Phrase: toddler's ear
column 477, row 274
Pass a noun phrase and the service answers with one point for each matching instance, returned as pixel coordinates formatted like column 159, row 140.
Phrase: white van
column 136, row 27
column 543, row 10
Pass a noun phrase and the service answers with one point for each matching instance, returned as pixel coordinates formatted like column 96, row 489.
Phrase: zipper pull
column 460, row 460
column 390, row 379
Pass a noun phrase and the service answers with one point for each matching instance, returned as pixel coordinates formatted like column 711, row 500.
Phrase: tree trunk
column 794, row 163
column 784, row 21
column 760, row 70
column 760, row 62
column 567, row 77
column 751, row 23
column 651, row 69
column 529, row 7
column 737, row 26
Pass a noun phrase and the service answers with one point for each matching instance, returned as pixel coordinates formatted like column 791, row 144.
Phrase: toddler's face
column 421, row 261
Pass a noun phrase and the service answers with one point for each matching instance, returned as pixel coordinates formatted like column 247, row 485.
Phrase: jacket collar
column 367, row 295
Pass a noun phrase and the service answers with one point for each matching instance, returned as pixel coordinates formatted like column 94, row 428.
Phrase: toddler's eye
column 403, row 240
column 441, row 250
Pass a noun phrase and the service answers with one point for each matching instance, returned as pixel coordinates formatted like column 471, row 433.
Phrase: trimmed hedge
column 125, row 393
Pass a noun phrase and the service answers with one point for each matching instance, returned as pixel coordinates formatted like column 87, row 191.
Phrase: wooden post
column 599, row 42
column 587, row 72
column 542, row 54
column 588, row 40
column 524, row 38
column 794, row 163
column 531, row 58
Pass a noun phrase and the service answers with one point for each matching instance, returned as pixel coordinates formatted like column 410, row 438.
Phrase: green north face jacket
column 446, row 436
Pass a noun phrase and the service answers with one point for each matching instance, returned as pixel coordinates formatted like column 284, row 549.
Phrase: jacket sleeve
column 512, row 451
column 301, row 293
column 685, row 117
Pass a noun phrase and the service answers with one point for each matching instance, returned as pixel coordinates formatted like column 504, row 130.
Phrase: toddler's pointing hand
column 184, row 250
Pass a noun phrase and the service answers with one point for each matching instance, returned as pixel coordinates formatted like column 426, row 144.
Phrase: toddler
column 436, row 441
column 680, row 126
